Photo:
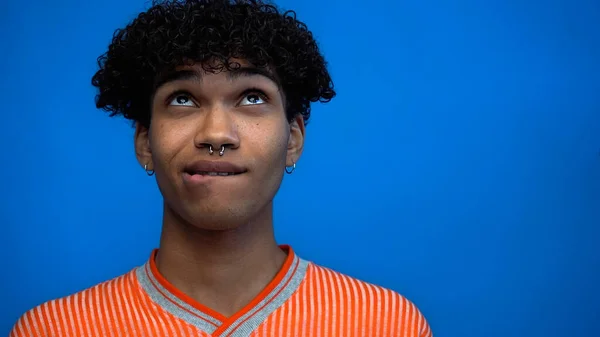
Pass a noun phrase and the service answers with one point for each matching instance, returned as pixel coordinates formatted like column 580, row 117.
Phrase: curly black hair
column 211, row 33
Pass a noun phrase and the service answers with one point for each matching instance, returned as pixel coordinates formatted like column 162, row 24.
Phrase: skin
column 217, row 244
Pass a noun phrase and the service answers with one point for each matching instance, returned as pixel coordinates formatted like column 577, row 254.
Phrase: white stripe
column 188, row 329
column 150, row 315
column 326, row 299
column 179, row 328
column 195, row 331
column 138, row 304
column 96, row 304
column 384, row 314
column 165, row 323
column 63, row 312
column 421, row 325
column 274, row 325
column 346, row 303
column 125, row 305
column 117, row 302
column 281, row 321
column 290, row 328
column 264, row 326
column 393, row 316
column 371, row 321
column 414, row 320
column 311, row 299
column 19, row 327
column 319, row 312
column 170, row 322
column 107, row 309
column 48, row 315
column 27, row 324
column 158, row 323
column 298, row 324
column 82, row 309
column 55, row 314
column 142, row 309
column 70, row 315
column 111, row 304
column 364, row 300
column 79, row 329
column 357, row 326
column 379, row 311
column 424, row 328
column 333, row 287
column 405, row 317
column 35, row 323
column 304, row 317
column 103, row 315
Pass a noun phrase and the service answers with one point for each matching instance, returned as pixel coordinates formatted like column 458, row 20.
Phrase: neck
column 222, row 270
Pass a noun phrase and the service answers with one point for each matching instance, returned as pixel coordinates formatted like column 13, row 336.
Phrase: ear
column 142, row 146
column 296, row 140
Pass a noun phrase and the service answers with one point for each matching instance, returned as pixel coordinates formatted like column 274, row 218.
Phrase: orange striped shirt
column 304, row 299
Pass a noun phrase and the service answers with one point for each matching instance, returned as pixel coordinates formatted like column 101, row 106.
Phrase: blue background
column 459, row 165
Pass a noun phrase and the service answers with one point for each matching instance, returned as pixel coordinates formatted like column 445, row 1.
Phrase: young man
column 220, row 93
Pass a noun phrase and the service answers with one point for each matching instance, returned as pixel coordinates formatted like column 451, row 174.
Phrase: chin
column 222, row 213
column 218, row 219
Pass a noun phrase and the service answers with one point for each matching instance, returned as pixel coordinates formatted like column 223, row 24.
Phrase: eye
column 182, row 99
column 253, row 98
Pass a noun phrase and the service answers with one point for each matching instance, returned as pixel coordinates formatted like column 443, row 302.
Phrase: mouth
column 212, row 173
column 201, row 169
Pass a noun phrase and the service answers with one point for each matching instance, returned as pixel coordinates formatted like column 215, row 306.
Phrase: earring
column 290, row 171
column 148, row 172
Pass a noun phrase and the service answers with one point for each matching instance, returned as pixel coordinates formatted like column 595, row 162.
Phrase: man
column 220, row 94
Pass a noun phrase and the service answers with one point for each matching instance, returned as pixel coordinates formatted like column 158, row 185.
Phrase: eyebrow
column 232, row 75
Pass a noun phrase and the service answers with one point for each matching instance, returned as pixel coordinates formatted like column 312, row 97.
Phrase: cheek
column 270, row 141
column 165, row 142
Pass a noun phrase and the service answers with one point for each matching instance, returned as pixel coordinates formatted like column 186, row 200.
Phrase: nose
column 217, row 130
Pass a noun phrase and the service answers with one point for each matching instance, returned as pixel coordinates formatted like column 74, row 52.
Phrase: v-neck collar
column 244, row 321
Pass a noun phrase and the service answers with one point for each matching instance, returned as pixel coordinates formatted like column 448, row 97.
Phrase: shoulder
column 64, row 316
column 376, row 306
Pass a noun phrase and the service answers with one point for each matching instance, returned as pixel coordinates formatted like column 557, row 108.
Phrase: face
column 240, row 111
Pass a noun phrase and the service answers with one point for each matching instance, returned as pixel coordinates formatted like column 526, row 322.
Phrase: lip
column 213, row 166
column 190, row 174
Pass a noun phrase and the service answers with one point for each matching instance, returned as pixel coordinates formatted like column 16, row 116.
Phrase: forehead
column 232, row 71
